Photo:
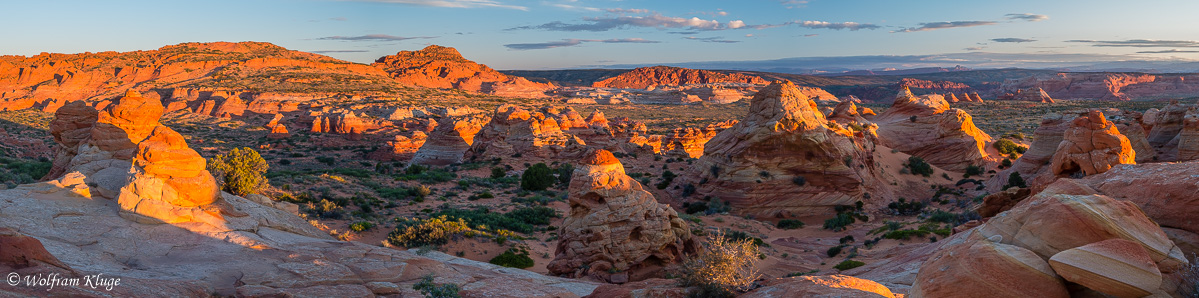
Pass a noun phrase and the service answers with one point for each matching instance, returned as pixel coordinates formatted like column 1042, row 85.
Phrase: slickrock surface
column 1115, row 267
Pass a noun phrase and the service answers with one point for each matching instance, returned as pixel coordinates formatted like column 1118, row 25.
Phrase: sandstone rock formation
column 50, row 80
column 1188, row 138
column 1115, row 267
column 1032, row 94
column 644, row 77
column 1060, row 220
column 925, row 126
column 515, row 130
column 975, row 98
column 804, row 166
column 449, row 141
column 616, row 230
column 443, row 67
column 400, row 148
column 1107, row 86
column 1091, row 145
column 277, row 129
column 820, row 286
column 997, row 269
column 146, row 167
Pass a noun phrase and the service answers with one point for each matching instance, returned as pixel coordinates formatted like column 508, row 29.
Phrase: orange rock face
column 400, row 148
column 1091, row 145
column 644, row 77
column 820, row 286
column 1065, row 231
column 787, row 145
column 447, row 143
column 616, row 230
column 443, row 67
column 515, row 130
column 145, row 166
column 925, row 126
column 50, row 80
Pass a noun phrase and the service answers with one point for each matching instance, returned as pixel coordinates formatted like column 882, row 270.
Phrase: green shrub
column 513, row 258
column 1007, row 147
column 498, row 172
column 521, row 220
column 903, row 207
column 919, row 167
column 905, row 234
column 434, row 231
column 1015, row 180
column 565, row 171
column 849, row 264
column 943, row 217
column 432, row 290
column 834, row 251
column 241, row 171
column 973, row 170
column 667, row 178
column 537, row 177
column 839, row 222
column 790, row 224
column 361, row 226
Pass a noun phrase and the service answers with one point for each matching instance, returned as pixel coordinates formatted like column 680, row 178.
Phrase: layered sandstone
column 1062, row 219
column 1091, row 145
column 443, row 67
column 515, row 130
column 1107, row 86
column 925, row 126
column 48, row 80
column 1115, row 267
column 447, row 143
column 755, row 164
column 616, row 230
column 645, row 77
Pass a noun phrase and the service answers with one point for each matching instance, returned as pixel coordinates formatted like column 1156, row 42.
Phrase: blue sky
column 535, row 34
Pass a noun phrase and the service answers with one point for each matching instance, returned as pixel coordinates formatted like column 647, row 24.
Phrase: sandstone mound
column 449, row 141
column 443, row 67
column 820, row 286
column 515, row 130
column 616, row 230
column 1060, row 232
column 1091, row 145
column 925, row 126
column 785, row 158
column 644, row 77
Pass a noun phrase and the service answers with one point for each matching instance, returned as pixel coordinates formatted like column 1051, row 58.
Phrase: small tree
column 565, row 171
column 1015, row 180
column 240, row 172
column 723, row 266
column 537, row 177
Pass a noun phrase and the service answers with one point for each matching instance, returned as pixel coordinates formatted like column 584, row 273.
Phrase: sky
column 561, row 34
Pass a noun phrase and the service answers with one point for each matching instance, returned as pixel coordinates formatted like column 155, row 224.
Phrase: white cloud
column 736, row 24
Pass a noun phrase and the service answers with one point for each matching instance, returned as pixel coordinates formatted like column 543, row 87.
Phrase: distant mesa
column 443, row 67
column 645, row 77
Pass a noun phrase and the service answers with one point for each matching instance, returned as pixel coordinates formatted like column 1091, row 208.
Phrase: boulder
column 980, row 266
column 1115, row 267
column 616, row 230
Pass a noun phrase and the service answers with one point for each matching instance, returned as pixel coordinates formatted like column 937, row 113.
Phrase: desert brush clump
column 537, row 177
column 433, row 290
column 433, row 231
column 722, row 267
column 240, row 172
